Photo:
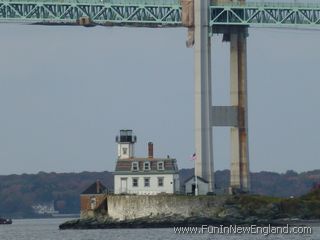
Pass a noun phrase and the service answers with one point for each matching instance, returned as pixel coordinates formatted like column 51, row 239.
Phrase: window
column 175, row 166
column 93, row 203
column 124, row 150
column 135, row 182
column 146, row 166
column 160, row 166
column 160, row 181
column 135, row 166
column 147, row 182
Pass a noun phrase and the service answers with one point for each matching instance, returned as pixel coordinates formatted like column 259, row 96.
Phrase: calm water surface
column 47, row 229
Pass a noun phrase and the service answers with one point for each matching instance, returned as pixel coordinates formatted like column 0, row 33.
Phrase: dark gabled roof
column 199, row 178
column 96, row 188
column 125, row 165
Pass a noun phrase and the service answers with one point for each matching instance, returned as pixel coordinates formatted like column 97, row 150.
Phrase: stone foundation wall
column 123, row 207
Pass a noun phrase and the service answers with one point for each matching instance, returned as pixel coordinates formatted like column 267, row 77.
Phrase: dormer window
column 135, row 166
column 146, row 166
column 160, row 166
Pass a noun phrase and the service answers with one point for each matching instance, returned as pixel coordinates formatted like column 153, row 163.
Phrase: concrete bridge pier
column 239, row 172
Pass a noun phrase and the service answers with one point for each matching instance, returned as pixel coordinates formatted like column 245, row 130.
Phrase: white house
column 143, row 175
column 190, row 186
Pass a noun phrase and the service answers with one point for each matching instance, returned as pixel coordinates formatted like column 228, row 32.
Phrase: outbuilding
column 190, row 186
column 93, row 198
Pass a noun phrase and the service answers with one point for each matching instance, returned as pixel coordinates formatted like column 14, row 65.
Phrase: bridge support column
column 203, row 99
column 239, row 174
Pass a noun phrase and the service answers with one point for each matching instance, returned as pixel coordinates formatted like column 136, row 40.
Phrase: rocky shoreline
column 82, row 224
column 153, row 223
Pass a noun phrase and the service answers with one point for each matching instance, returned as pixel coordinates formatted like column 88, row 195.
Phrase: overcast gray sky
column 65, row 92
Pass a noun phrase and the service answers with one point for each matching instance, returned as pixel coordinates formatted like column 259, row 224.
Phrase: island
column 162, row 211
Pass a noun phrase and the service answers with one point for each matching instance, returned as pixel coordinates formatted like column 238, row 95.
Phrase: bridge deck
column 155, row 13
column 266, row 14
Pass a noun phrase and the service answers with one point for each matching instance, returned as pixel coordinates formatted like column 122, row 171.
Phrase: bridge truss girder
column 266, row 15
column 69, row 12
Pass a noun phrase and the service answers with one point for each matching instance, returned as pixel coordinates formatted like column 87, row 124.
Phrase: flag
column 194, row 157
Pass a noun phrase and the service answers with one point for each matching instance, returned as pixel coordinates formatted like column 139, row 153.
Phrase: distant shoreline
column 74, row 215
column 63, row 189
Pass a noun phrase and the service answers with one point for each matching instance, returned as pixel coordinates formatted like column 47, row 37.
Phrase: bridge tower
column 202, row 93
column 207, row 115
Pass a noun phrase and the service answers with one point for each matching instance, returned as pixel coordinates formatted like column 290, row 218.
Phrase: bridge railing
column 114, row 2
column 153, row 2
column 277, row 4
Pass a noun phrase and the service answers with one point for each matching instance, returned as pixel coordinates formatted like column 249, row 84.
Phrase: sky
column 65, row 92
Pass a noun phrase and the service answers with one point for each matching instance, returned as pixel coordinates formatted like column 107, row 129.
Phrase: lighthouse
column 147, row 175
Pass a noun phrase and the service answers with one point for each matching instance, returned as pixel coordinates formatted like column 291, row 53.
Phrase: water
column 47, row 229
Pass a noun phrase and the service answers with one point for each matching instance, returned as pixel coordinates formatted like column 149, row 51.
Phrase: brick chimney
column 150, row 150
column 98, row 186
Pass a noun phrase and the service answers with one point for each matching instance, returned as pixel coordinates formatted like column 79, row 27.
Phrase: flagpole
column 196, row 179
